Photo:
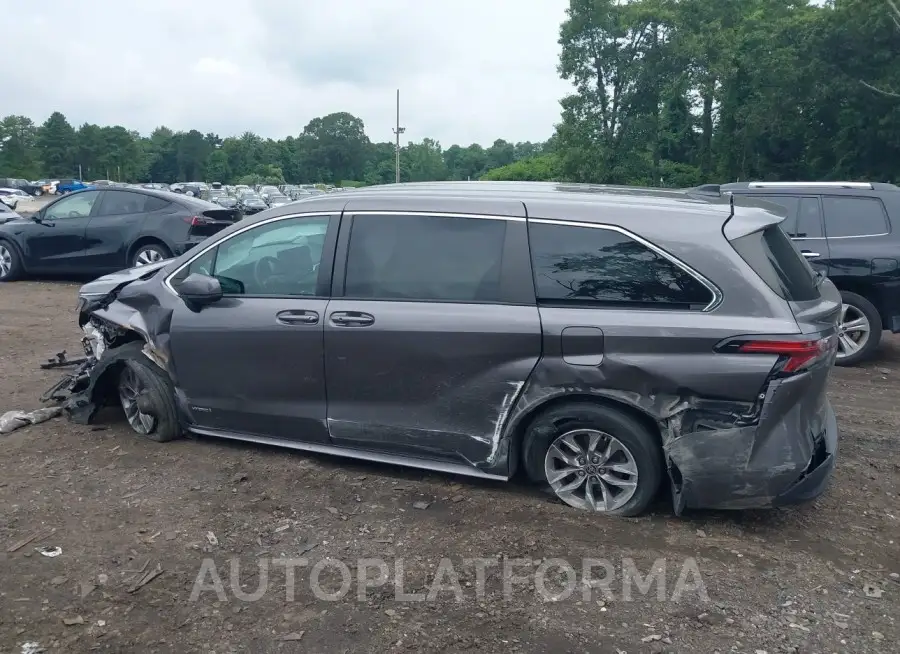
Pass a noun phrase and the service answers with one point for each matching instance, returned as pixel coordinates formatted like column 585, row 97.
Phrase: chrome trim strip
column 862, row 185
column 200, row 250
column 712, row 288
column 411, row 462
column 436, row 214
column 832, row 238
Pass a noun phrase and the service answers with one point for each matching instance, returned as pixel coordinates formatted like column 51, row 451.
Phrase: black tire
column 160, row 395
column 866, row 308
column 643, row 445
column 156, row 248
column 15, row 259
column 38, row 193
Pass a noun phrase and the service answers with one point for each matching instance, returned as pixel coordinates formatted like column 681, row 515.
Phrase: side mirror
column 200, row 290
column 36, row 217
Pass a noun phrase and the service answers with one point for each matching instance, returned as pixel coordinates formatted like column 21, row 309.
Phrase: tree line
column 664, row 93
column 330, row 149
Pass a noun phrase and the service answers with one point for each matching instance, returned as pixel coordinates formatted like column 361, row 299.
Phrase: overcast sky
column 468, row 70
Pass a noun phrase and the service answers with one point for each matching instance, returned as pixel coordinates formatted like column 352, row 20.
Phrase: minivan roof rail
column 862, row 185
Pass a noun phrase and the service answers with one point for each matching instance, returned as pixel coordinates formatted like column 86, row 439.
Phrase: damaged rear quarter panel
column 705, row 407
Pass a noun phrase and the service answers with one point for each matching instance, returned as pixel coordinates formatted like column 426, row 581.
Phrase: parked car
column 99, row 231
column 23, row 185
column 846, row 231
column 604, row 340
column 71, row 185
column 227, row 201
column 7, row 214
column 12, row 196
column 278, row 200
column 266, row 191
column 250, row 203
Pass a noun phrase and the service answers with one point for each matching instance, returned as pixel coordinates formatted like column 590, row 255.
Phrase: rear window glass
column 774, row 258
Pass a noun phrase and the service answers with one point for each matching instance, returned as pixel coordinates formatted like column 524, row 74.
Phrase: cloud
column 468, row 71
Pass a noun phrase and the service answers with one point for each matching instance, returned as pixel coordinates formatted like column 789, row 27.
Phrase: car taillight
column 795, row 355
column 198, row 220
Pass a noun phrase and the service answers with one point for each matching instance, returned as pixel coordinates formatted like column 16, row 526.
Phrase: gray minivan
column 599, row 340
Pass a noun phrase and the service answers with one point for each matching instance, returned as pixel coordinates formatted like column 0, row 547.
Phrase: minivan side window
column 279, row 259
column 848, row 216
column 421, row 257
column 605, row 267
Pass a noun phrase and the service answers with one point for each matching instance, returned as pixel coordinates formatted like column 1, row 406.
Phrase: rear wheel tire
column 859, row 331
column 38, row 193
column 148, row 400
column 594, row 457
column 150, row 253
column 10, row 262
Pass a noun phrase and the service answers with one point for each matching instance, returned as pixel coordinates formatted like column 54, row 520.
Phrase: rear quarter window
column 604, row 267
column 774, row 258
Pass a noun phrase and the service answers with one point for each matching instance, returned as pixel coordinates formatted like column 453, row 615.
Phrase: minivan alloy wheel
column 130, row 390
column 5, row 261
column 590, row 469
column 853, row 331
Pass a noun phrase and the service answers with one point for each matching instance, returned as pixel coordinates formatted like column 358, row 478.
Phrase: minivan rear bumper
column 785, row 460
column 817, row 475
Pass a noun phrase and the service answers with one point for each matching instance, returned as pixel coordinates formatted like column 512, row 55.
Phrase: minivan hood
column 105, row 284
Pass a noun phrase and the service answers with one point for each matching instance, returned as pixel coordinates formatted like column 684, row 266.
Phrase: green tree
column 18, row 155
column 55, row 146
column 542, row 168
column 217, row 168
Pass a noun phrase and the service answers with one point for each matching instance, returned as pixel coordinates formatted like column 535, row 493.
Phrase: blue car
column 69, row 185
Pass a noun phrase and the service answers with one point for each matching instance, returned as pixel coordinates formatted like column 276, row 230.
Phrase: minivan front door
column 434, row 337
column 252, row 363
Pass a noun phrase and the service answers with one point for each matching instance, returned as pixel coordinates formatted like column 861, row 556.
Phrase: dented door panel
column 429, row 378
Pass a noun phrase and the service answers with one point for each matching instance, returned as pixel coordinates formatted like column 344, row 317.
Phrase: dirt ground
column 818, row 578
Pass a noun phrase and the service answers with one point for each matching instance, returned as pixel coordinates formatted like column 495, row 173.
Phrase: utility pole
column 80, row 177
column 398, row 131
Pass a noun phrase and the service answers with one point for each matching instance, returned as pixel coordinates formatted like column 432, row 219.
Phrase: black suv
column 845, row 230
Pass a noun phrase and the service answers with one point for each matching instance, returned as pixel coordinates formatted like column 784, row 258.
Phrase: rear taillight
column 198, row 220
column 794, row 356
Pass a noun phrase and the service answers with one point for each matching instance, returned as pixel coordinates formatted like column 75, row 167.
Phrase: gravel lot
column 818, row 578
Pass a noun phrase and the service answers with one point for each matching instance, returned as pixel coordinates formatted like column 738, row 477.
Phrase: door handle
column 352, row 319
column 297, row 317
column 810, row 255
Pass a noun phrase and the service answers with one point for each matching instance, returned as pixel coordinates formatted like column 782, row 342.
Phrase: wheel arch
column 518, row 428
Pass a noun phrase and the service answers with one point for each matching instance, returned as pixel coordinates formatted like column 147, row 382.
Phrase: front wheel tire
column 859, row 330
column 148, row 400
column 595, row 457
column 10, row 262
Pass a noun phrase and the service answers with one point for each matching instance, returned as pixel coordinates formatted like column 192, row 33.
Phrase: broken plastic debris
column 12, row 420
column 871, row 590
column 211, row 538
column 46, row 550
column 32, row 648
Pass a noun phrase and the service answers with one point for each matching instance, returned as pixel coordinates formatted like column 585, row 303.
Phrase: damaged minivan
column 603, row 342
